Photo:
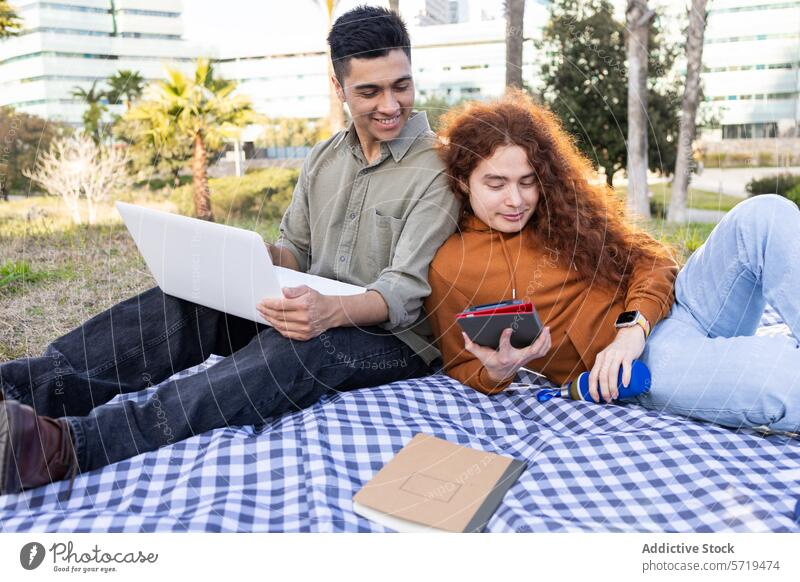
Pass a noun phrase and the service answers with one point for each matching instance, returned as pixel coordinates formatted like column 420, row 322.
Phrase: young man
column 370, row 208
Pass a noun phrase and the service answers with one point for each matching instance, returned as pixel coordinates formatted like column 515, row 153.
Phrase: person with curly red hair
column 536, row 227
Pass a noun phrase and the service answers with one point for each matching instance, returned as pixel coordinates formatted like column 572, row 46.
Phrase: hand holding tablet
column 484, row 324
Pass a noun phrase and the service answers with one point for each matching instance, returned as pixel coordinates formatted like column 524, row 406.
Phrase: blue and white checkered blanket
column 589, row 468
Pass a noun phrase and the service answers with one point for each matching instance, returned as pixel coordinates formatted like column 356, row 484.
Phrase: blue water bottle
column 578, row 389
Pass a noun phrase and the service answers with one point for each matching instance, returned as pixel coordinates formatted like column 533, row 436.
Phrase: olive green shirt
column 375, row 225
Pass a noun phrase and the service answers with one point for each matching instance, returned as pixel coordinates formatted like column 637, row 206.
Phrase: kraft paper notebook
column 432, row 485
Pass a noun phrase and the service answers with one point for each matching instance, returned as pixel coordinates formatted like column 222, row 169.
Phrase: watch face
column 627, row 317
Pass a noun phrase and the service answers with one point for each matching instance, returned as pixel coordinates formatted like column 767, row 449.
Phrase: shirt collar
column 470, row 221
column 416, row 125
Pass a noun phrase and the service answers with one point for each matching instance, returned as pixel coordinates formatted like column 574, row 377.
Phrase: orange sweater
column 480, row 265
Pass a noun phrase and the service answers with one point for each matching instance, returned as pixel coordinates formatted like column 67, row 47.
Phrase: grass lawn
column 685, row 239
column 61, row 279
column 699, row 199
column 54, row 275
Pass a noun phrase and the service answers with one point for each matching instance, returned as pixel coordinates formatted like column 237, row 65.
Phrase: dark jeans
column 142, row 341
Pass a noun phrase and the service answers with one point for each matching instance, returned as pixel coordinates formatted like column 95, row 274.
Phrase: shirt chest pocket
column 379, row 236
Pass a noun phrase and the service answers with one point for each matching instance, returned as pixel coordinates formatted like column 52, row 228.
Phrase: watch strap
column 645, row 325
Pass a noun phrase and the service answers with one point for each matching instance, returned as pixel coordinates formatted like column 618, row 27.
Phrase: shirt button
column 341, row 259
column 352, row 215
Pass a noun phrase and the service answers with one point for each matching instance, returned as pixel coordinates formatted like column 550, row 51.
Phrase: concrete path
column 732, row 181
column 709, row 216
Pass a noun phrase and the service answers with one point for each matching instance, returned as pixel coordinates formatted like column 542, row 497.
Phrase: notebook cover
column 485, row 330
column 439, row 484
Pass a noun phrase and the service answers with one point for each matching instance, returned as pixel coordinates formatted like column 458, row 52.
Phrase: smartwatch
column 632, row 318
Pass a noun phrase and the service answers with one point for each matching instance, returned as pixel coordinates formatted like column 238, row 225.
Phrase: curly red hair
column 584, row 221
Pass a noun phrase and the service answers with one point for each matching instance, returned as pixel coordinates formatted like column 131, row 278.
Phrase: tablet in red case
column 484, row 324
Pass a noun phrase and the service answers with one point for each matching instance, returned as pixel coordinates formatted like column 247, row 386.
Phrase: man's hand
column 626, row 347
column 302, row 313
column 504, row 362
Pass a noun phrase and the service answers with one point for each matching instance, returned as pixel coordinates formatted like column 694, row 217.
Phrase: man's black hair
column 366, row 32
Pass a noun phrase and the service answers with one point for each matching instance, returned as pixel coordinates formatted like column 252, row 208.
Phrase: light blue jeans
column 705, row 360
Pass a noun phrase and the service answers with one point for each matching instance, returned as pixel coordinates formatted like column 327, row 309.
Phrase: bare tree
column 639, row 18
column 691, row 100
column 394, row 6
column 515, row 17
column 75, row 168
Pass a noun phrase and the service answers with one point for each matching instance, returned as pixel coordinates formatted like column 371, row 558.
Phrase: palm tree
column 153, row 141
column 515, row 17
column 93, row 115
column 336, row 114
column 639, row 17
column 10, row 23
column 127, row 85
column 691, row 99
column 204, row 111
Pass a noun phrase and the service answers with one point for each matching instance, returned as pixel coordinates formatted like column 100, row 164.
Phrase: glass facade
column 71, row 44
column 750, row 130
column 751, row 68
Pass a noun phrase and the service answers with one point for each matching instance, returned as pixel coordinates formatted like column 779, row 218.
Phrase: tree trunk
column 515, row 17
column 394, row 6
column 336, row 114
column 638, row 24
column 610, row 177
column 74, row 210
column 202, row 194
column 691, row 100
column 92, row 210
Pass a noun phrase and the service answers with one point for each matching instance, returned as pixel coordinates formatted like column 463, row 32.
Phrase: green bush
column 264, row 195
column 738, row 160
column 765, row 159
column 775, row 184
column 794, row 194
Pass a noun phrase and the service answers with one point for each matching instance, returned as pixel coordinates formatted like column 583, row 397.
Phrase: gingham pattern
column 590, row 468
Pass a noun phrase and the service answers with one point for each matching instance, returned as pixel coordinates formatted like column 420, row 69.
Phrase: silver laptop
column 219, row 266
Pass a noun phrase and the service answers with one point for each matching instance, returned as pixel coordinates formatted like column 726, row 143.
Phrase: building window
column 750, row 130
column 754, row 7
column 757, row 96
column 137, row 12
column 774, row 36
column 53, row 54
column 83, row 32
column 67, row 7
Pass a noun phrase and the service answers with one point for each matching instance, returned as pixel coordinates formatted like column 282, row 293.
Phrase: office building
column 751, row 69
column 74, row 43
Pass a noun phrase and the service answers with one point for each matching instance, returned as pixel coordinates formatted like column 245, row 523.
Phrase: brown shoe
column 34, row 450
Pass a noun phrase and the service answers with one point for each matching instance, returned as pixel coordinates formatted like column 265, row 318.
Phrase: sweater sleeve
column 652, row 289
column 442, row 305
